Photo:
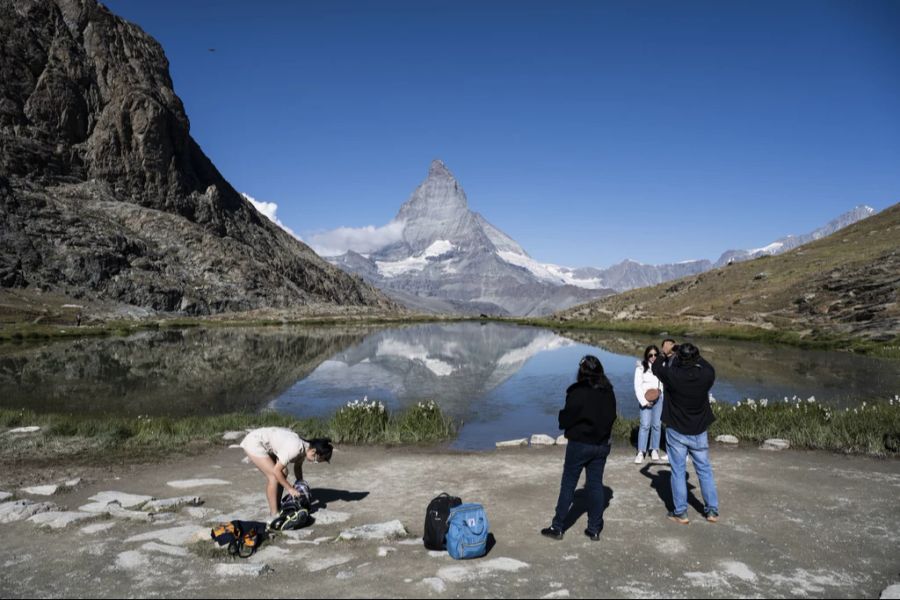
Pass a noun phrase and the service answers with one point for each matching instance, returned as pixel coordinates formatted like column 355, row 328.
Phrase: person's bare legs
column 267, row 466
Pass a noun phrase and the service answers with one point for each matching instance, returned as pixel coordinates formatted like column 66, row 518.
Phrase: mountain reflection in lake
column 501, row 381
column 508, row 381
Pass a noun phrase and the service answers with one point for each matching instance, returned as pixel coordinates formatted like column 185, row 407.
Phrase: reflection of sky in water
column 506, row 382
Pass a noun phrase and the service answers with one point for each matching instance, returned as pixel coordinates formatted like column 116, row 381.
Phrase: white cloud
column 364, row 240
column 269, row 210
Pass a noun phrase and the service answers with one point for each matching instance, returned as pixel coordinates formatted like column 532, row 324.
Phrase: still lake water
column 502, row 381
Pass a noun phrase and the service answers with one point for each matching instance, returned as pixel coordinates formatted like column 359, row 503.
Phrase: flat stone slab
column 173, row 536
column 471, row 571
column 132, row 560
column 125, row 500
column 328, row 517
column 727, row 439
column 540, row 439
column 775, row 444
column 562, row 440
column 4, row 496
column 231, row 436
column 19, row 510
column 97, row 528
column 169, row 504
column 41, row 490
column 435, row 583
column 164, row 549
column 321, row 564
column 376, row 531
column 115, row 510
column 29, row 429
column 242, row 569
column 512, row 443
column 891, row 593
column 192, row 483
column 60, row 519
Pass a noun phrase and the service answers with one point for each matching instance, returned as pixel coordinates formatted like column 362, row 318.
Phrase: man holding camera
column 687, row 378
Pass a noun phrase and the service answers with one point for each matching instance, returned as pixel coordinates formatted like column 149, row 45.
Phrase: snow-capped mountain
column 450, row 259
column 792, row 241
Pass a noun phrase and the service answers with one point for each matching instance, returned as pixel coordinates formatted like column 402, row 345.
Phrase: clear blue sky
column 588, row 131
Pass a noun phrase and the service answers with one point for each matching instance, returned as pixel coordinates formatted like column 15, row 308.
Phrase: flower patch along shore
column 872, row 428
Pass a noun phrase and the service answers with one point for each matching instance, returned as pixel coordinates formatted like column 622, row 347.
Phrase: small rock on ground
column 539, row 439
column 29, row 429
column 512, row 443
column 775, row 444
column 124, row 499
column 230, row 436
column 192, row 483
column 60, row 519
column 561, row 440
column 891, row 592
column 375, row 531
column 4, row 496
column 172, row 503
column 727, row 439
column 41, row 490
column 19, row 510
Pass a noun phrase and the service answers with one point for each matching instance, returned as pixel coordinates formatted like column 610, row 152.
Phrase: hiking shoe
column 680, row 518
column 594, row 535
column 552, row 532
column 712, row 515
column 639, row 458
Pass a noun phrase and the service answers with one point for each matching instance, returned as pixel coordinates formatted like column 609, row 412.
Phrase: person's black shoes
column 594, row 535
column 552, row 532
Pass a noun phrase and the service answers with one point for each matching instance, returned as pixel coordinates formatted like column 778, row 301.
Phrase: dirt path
column 793, row 524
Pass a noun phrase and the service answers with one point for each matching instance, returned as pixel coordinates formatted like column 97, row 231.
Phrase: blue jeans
column 679, row 446
column 650, row 421
column 591, row 458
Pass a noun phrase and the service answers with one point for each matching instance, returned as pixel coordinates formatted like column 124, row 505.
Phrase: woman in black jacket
column 587, row 420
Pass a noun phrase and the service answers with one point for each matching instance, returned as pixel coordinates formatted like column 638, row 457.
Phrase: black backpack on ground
column 294, row 513
column 437, row 516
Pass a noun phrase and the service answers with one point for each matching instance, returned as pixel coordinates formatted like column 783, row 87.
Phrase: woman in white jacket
column 651, row 410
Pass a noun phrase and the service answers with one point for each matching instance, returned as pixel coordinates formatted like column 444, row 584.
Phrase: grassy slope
column 839, row 288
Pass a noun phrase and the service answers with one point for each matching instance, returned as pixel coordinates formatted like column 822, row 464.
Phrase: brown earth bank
column 794, row 524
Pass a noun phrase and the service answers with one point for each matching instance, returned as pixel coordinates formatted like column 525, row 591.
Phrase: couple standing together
column 684, row 380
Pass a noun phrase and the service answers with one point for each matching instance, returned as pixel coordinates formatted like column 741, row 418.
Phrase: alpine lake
column 500, row 381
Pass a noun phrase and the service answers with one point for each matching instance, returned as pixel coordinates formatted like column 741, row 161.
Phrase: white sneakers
column 654, row 456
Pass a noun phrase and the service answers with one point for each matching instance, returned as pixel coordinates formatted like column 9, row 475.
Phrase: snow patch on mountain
column 549, row 272
column 417, row 262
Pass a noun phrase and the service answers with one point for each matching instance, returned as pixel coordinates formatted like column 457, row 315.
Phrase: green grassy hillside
column 842, row 287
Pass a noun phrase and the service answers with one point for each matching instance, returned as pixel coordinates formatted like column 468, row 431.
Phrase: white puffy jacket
column 643, row 382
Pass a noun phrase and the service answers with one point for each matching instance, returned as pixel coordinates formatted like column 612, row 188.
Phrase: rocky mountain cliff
column 450, row 259
column 104, row 193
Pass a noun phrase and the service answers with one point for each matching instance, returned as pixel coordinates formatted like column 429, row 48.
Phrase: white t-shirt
column 280, row 441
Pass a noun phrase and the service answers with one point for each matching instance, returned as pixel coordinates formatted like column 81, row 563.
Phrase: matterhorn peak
column 439, row 169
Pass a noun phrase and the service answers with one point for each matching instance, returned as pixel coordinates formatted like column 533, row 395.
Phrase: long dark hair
column 591, row 371
column 646, row 361
column 323, row 448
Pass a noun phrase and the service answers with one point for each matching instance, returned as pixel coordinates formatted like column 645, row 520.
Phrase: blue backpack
column 467, row 535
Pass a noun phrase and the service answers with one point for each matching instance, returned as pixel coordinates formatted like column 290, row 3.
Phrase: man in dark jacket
column 687, row 379
column 587, row 419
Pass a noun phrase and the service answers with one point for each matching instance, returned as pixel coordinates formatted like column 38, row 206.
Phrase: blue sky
column 588, row 131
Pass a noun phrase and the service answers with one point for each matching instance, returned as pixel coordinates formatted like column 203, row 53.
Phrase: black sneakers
column 594, row 535
column 552, row 532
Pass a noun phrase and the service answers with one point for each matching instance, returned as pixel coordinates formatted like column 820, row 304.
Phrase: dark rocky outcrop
column 104, row 193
